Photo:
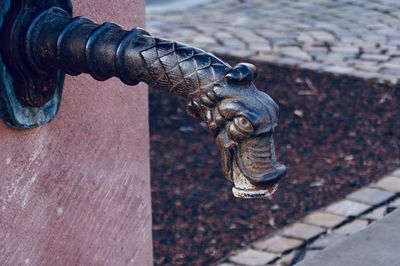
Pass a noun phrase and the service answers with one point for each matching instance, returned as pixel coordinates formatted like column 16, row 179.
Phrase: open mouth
column 251, row 165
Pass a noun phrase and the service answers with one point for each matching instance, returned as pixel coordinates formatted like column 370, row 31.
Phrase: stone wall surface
column 77, row 191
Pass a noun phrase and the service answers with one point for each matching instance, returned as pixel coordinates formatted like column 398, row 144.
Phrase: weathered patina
column 241, row 117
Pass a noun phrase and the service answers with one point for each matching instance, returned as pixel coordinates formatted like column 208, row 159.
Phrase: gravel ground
column 336, row 134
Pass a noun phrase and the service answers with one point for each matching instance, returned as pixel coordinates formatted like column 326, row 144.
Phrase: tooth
column 209, row 116
column 206, row 101
column 211, row 95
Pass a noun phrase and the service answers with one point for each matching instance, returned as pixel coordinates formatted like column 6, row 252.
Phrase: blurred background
column 332, row 66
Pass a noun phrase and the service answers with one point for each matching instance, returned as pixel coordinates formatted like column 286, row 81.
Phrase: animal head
column 243, row 120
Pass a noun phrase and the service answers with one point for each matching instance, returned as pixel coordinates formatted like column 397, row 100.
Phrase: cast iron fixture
column 40, row 40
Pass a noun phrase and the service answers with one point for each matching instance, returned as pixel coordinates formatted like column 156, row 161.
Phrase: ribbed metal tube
column 78, row 45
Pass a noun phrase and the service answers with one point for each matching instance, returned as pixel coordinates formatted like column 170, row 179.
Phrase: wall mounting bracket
column 27, row 99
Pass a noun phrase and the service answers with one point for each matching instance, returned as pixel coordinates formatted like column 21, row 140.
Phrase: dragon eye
column 240, row 128
column 243, row 124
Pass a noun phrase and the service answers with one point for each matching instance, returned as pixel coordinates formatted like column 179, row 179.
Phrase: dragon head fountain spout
column 243, row 120
column 42, row 41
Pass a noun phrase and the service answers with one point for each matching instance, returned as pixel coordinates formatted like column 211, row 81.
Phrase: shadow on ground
column 336, row 134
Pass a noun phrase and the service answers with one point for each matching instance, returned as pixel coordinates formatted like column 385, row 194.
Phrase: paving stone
column 283, row 41
column 346, row 49
column 302, row 231
column 337, row 62
column 375, row 39
column 220, row 50
column 242, row 53
column 394, row 41
column 288, row 49
column 371, row 196
column 389, row 183
column 289, row 61
column 252, row 38
column 347, row 208
column 265, row 57
column 312, row 48
column 305, row 38
column 389, row 71
column 260, row 47
column 326, row 241
column 312, row 66
column 364, row 74
column 375, row 57
column 369, row 66
column 301, row 55
column 286, row 260
column 375, row 214
column 277, row 244
column 351, row 228
column 234, row 43
column 251, row 257
column 396, row 172
column 204, row 39
column 324, row 219
column 339, row 69
column 391, row 65
column 395, row 203
column 322, row 36
column 223, row 35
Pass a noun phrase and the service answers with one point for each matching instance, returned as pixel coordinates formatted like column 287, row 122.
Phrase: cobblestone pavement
column 323, row 227
column 353, row 37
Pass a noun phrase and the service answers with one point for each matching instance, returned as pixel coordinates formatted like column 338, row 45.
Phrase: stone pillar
column 77, row 191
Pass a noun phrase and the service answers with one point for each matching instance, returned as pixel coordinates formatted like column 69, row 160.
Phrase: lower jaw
column 248, row 193
column 245, row 189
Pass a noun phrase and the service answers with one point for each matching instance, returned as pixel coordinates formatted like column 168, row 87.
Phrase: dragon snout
column 251, row 164
column 255, row 168
column 256, row 160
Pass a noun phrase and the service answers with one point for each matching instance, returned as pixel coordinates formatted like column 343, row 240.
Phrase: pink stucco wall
column 77, row 191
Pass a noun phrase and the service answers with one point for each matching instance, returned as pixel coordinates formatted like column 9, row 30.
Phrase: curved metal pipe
column 78, row 45
column 241, row 117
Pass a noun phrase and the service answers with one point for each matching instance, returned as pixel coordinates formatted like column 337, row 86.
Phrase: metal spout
column 50, row 42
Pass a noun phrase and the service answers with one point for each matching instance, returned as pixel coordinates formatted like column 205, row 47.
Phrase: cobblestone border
column 323, row 227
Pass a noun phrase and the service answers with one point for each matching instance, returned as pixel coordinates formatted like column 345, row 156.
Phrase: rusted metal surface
column 17, row 81
column 241, row 117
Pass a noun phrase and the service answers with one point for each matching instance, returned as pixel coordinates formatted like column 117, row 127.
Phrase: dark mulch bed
column 336, row 134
